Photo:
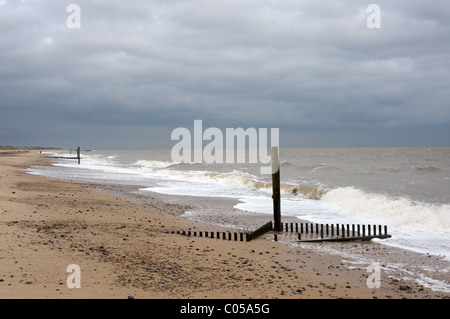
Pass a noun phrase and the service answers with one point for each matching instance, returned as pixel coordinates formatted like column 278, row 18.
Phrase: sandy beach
column 123, row 248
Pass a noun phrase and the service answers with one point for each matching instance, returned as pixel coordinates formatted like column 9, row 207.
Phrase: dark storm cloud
column 139, row 69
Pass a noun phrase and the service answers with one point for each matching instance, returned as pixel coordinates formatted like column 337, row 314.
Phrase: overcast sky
column 136, row 70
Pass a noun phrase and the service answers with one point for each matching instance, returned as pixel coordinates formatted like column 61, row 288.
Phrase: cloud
column 312, row 69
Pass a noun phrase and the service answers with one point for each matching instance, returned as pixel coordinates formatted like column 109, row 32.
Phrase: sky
column 124, row 74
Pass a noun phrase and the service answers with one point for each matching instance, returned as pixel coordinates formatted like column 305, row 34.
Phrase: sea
column 405, row 188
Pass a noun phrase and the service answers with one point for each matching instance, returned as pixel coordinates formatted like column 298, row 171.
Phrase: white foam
column 395, row 211
column 154, row 164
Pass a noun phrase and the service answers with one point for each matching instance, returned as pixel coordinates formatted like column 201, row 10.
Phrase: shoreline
column 122, row 250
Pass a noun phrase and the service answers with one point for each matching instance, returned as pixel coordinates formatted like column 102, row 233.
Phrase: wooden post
column 276, row 189
column 78, row 154
column 260, row 231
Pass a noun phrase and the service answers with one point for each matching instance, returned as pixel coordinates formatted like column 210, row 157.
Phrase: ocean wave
column 396, row 211
column 308, row 191
column 154, row 164
column 165, row 164
column 243, row 180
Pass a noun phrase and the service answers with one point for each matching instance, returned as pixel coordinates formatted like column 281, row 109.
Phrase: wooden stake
column 276, row 189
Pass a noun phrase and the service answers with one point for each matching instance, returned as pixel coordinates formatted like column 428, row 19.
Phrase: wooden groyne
column 224, row 235
column 78, row 157
column 227, row 235
column 314, row 232
column 303, row 232
column 260, row 231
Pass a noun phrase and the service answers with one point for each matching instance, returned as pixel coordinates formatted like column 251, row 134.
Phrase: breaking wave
column 237, row 178
column 397, row 211
column 154, row 164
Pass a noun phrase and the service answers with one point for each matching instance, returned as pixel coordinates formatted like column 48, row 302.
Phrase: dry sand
column 123, row 249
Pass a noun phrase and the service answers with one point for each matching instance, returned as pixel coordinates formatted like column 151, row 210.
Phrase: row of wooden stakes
column 236, row 236
column 313, row 232
column 320, row 232
column 227, row 235
column 346, row 230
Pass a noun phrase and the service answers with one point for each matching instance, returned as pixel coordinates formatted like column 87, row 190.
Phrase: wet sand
column 121, row 244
